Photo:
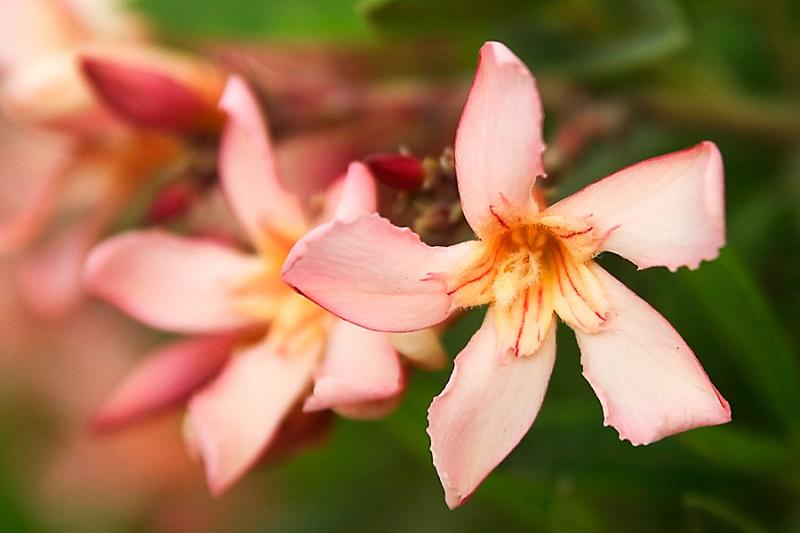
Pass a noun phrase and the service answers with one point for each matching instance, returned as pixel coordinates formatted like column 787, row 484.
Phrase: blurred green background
column 671, row 73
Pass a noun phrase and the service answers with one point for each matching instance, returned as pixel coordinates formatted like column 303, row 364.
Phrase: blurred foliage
column 681, row 71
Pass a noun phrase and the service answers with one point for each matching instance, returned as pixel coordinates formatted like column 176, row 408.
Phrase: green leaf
column 622, row 35
column 724, row 513
column 285, row 20
column 739, row 450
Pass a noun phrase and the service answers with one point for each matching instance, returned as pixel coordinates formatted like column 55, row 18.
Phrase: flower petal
column 34, row 168
column 248, row 171
column 153, row 89
column 374, row 274
column 234, row 419
column 665, row 211
column 352, row 196
column 648, row 381
column 486, row 408
column 499, row 143
column 33, row 29
column 49, row 275
column 165, row 379
column 360, row 366
column 172, row 283
column 421, row 348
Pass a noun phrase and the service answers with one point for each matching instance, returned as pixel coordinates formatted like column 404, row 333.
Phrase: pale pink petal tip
column 484, row 411
column 358, row 194
column 646, row 377
column 498, row 147
column 248, row 170
column 150, row 98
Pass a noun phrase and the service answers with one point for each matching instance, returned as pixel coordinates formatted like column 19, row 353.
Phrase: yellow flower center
column 529, row 271
column 295, row 323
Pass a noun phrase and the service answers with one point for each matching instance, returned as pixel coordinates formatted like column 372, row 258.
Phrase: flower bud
column 397, row 171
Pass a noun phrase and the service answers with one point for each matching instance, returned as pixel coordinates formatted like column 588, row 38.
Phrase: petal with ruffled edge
column 499, row 145
column 665, row 211
column 233, row 420
column 170, row 282
column 163, row 380
column 648, row 381
column 359, row 366
column 249, row 175
column 374, row 274
column 486, row 408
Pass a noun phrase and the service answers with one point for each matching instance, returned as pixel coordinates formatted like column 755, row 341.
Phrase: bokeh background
column 621, row 80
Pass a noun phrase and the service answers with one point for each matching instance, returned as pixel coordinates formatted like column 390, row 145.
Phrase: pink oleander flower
column 97, row 111
column 256, row 347
column 528, row 264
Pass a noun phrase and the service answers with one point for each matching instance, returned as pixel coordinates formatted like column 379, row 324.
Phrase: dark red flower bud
column 397, row 171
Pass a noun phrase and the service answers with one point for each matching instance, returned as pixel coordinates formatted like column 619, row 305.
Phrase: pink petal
column 33, row 169
column 51, row 93
column 359, row 366
column 358, row 195
column 351, row 196
column 647, row 379
column 165, row 379
column 248, row 172
column 499, row 142
column 373, row 274
column 486, row 408
column 665, row 211
column 49, row 275
column 170, row 282
column 32, row 29
column 158, row 91
column 234, row 419
column 373, row 410
column 421, row 348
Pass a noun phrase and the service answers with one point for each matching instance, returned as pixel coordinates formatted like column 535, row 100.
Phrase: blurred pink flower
column 55, row 381
column 96, row 111
column 257, row 345
column 528, row 263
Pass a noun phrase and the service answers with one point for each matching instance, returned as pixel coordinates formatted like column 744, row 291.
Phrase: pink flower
column 257, row 346
column 97, row 111
column 528, row 264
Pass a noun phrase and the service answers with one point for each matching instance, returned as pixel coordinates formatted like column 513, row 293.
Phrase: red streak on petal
column 476, row 278
column 578, row 294
column 495, row 215
column 574, row 233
